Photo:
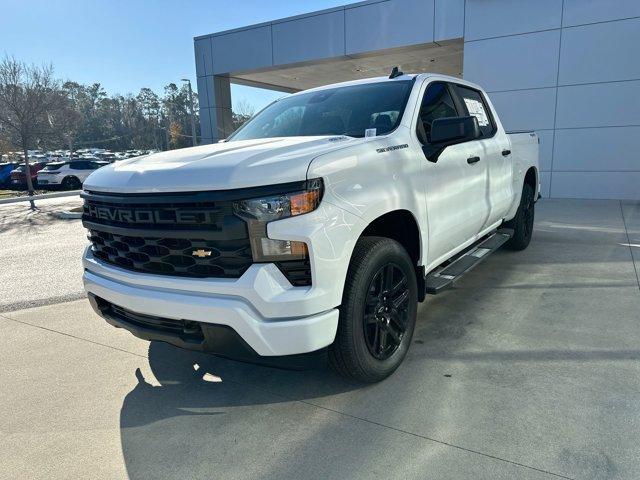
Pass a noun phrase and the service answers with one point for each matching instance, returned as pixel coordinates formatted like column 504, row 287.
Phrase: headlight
column 259, row 211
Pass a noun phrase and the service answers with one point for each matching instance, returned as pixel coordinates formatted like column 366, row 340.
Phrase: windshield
column 336, row 111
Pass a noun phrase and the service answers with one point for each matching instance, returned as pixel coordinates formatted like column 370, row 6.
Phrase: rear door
column 455, row 185
column 493, row 149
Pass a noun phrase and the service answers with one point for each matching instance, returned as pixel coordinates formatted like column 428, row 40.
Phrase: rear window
column 53, row 166
column 477, row 107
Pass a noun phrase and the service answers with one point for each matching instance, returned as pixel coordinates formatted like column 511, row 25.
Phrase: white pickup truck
column 318, row 226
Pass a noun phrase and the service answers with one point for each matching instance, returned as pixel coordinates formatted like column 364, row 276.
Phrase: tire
column 71, row 183
column 358, row 351
column 522, row 223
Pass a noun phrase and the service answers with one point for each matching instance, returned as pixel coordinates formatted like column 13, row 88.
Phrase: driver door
column 456, row 184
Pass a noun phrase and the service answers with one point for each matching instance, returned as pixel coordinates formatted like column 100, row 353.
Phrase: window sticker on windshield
column 370, row 132
column 476, row 109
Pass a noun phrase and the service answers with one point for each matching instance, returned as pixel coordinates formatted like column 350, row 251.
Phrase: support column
column 214, row 94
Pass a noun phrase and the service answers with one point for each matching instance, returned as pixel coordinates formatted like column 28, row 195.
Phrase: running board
column 442, row 279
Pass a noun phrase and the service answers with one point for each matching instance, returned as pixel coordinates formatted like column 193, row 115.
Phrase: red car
column 18, row 176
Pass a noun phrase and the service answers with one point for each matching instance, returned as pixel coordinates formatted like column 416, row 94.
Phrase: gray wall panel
column 244, row 50
column 597, row 149
column 495, row 18
column 578, row 12
column 449, row 20
column 599, row 105
column 517, row 62
column 545, row 149
column 600, row 52
column 320, row 36
column 389, row 24
column 205, row 124
column 545, row 179
column 205, row 92
column 622, row 185
column 204, row 62
column 526, row 109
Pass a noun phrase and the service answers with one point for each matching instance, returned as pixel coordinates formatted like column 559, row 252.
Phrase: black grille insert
column 168, row 235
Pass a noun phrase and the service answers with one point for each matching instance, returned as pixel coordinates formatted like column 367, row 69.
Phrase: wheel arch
column 531, row 178
column 401, row 226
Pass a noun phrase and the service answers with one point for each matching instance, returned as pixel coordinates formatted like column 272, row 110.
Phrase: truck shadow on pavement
column 182, row 420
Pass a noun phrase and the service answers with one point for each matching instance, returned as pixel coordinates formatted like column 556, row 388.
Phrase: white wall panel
column 242, row 50
column 517, row 62
column 622, row 185
column 600, row 52
column 389, row 24
column 578, row 12
column 494, row 18
column 599, row 105
column 309, row 38
column 449, row 19
column 526, row 109
column 597, row 149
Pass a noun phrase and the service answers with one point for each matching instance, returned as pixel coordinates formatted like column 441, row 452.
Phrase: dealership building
column 568, row 69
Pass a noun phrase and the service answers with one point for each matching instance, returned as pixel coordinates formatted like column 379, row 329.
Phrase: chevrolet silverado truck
column 317, row 226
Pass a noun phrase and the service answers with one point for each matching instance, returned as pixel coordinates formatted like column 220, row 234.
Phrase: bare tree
column 242, row 112
column 29, row 99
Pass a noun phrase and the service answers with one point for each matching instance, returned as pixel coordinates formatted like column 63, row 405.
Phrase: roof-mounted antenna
column 396, row 73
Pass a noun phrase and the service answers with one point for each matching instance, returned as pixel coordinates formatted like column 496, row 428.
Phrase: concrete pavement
column 40, row 254
column 529, row 368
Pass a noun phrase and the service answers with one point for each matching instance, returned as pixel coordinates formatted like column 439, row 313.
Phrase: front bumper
column 273, row 317
column 265, row 336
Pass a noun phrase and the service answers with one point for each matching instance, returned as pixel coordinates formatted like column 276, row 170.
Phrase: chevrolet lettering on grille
column 151, row 216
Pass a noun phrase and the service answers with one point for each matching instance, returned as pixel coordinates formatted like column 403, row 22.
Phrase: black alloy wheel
column 386, row 311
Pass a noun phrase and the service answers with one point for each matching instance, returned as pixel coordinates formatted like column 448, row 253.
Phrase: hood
column 221, row 166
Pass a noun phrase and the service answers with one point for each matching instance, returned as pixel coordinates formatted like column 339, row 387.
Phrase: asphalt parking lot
column 528, row 368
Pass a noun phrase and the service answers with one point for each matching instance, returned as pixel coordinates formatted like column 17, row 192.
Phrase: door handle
column 472, row 160
column 506, row 153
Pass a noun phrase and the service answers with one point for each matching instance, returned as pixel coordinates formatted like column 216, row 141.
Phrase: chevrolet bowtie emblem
column 201, row 253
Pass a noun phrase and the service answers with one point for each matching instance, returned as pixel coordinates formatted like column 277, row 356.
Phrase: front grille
column 191, row 235
column 172, row 256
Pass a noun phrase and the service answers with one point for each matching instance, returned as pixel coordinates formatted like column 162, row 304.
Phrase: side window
column 436, row 103
column 77, row 165
column 477, row 107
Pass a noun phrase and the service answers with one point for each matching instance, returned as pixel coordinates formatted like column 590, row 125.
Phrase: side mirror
column 450, row 131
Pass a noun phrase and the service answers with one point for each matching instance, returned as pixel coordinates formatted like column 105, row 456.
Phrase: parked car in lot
column 69, row 175
column 19, row 177
column 5, row 171
column 322, row 222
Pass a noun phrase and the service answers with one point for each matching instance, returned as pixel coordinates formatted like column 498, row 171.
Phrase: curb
column 44, row 196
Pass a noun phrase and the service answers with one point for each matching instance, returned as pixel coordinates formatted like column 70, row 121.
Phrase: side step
column 443, row 278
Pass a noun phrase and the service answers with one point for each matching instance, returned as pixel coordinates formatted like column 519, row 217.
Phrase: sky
column 127, row 45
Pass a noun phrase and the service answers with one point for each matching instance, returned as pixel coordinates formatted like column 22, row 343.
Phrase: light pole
column 193, row 118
